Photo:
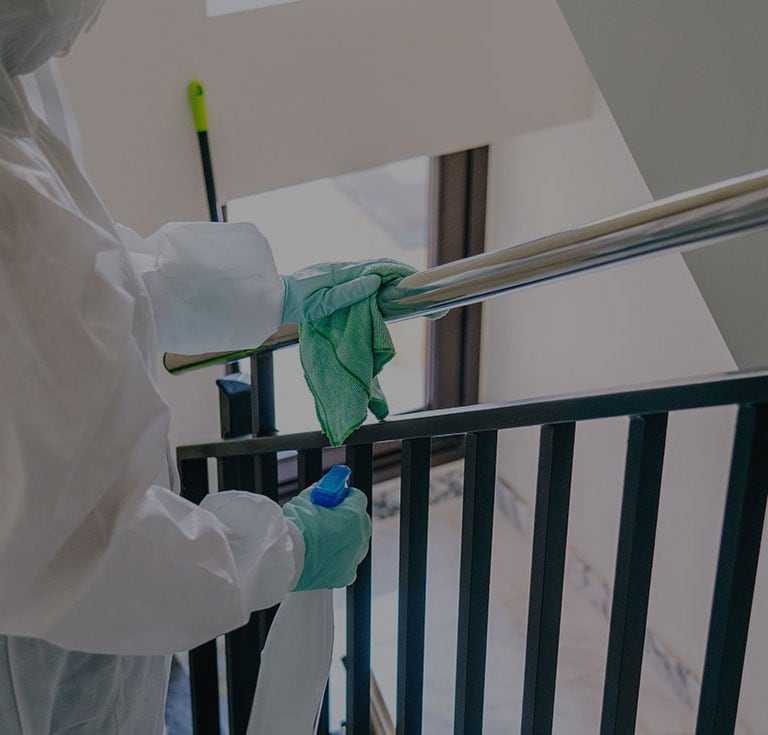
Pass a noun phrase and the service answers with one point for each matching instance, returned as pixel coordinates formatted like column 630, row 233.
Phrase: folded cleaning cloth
column 342, row 356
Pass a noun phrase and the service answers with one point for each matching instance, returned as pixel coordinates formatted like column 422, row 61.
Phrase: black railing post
column 412, row 589
column 263, row 381
column 248, row 409
column 735, row 577
column 264, row 423
column 632, row 581
column 474, row 581
column 235, row 473
column 309, row 470
column 203, row 665
column 550, row 533
column 360, row 459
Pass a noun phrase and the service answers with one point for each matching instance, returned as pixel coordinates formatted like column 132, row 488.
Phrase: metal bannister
column 681, row 222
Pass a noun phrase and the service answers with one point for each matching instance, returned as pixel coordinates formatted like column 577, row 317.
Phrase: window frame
column 460, row 204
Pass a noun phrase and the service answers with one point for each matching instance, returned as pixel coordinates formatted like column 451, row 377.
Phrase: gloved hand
column 318, row 291
column 335, row 539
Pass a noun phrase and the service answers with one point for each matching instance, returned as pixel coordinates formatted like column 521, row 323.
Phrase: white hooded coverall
column 97, row 555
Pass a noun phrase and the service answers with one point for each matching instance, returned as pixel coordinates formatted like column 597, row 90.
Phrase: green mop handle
column 196, row 97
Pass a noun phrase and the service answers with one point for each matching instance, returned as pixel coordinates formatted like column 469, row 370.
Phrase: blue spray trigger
column 332, row 488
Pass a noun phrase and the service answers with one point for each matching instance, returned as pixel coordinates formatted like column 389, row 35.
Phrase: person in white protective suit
column 104, row 571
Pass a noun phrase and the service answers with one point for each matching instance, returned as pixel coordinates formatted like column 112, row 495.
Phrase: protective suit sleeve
column 176, row 575
column 93, row 555
column 213, row 286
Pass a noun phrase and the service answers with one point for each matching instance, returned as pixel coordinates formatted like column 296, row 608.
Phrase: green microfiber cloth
column 342, row 356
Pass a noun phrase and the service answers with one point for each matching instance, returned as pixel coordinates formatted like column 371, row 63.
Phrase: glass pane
column 379, row 213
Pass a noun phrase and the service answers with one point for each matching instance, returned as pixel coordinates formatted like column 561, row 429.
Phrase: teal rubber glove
column 336, row 539
column 317, row 292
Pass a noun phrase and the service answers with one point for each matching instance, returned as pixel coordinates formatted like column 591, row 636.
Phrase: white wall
column 685, row 81
column 626, row 325
column 308, row 90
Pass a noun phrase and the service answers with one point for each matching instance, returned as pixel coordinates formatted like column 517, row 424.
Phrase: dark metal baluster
column 310, row 469
column 263, row 380
column 360, row 459
column 634, row 562
column 245, row 644
column 736, row 570
column 414, row 514
column 257, row 474
column 264, row 421
column 239, row 473
column 474, row 580
column 550, row 535
column 203, row 668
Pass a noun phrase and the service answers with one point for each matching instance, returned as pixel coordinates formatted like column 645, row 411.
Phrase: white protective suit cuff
column 269, row 560
column 213, row 286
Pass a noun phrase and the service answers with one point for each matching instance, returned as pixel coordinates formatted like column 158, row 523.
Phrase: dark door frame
column 460, row 195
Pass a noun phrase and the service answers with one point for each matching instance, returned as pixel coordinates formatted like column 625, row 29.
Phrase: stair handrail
column 682, row 222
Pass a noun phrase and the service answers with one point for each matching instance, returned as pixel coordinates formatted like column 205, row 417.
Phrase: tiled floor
column 668, row 691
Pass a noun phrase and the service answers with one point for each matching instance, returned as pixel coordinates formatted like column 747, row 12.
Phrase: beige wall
column 307, row 90
column 685, row 81
column 626, row 325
